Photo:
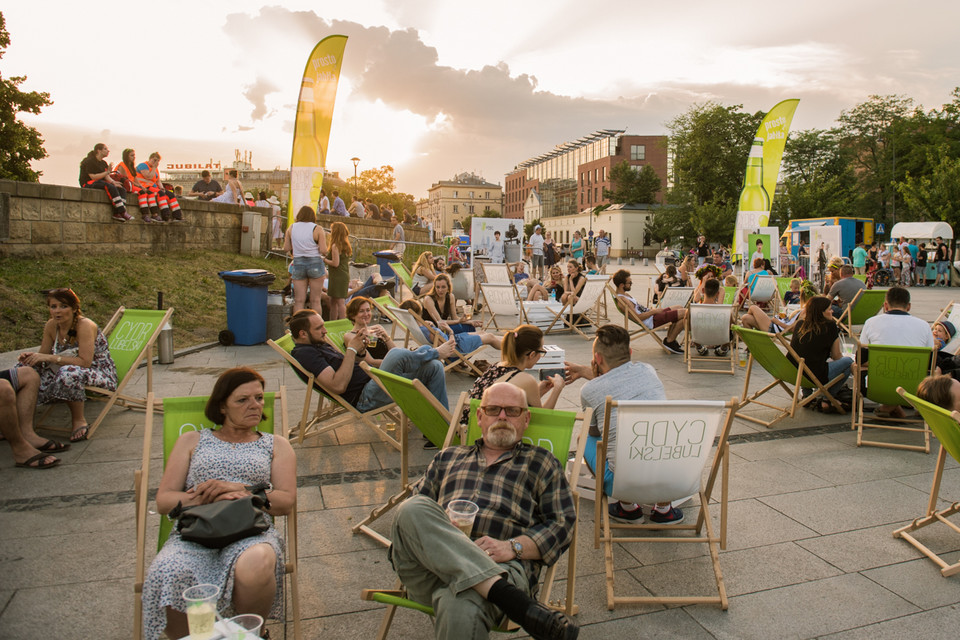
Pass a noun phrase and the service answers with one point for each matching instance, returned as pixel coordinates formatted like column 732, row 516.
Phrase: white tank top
column 301, row 237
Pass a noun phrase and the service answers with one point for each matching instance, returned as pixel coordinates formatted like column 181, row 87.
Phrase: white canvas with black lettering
column 662, row 448
column 710, row 323
column 497, row 273
column 501, row 299
column 676, row 297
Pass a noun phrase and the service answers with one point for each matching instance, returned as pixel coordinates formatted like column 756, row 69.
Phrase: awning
column 922, row 230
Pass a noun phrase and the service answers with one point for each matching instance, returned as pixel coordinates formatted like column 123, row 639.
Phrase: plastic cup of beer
column 371, row 338
column 244, row 627
column 201, row 602
column 462, row 513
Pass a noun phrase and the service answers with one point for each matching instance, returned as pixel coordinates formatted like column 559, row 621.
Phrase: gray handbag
column 221, row 523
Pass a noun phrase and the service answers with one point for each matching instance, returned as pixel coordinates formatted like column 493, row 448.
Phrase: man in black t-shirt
column 703, row 251
column 943, row 264
column 95, row 174
column 341, row 372
column 206, row 188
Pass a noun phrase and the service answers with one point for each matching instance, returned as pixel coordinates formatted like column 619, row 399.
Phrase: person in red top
column 147, row 200
column 148, row 178
column 95, row 174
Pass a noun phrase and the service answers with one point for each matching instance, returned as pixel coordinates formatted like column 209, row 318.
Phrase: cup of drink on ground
column 244, row 627
column 462, row 513
column 201, row 602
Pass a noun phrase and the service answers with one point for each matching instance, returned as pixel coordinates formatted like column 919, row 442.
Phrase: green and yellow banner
column 763, row 169
column 311, row 131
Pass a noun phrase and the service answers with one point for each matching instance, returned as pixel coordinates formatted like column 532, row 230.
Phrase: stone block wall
column 45, row 219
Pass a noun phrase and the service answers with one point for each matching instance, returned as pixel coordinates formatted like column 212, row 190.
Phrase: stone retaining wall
column 44, row 219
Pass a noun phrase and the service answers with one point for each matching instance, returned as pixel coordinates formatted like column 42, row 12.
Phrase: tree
column 379, row 180
column 936, row 196
column 19, row 143
column 528, row 228
column 670, row 224
column 633, row 184
column 487, row 213
column 817, row 179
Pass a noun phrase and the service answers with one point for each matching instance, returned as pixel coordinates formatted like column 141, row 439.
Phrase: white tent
column 922, row 230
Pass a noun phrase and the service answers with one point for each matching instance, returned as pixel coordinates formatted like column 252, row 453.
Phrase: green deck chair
column 380, row 304
column 891, row 369
column 783, row 285
column 332, row 410
column 131, row 334
column 764, row 350
column 730, row 295
column 866, row 304
column 403, row 277
column 186, row 414
column 945, row 427
column 336, row 330
column 550, row 429
column 417, row 405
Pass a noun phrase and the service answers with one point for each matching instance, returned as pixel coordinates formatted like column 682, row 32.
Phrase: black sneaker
column 543, row 623
column 674, row 516
column 722, row 350
column 672, row 347
column 617, row 512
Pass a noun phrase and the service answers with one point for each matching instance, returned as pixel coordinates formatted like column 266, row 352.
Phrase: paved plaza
column 810, row 552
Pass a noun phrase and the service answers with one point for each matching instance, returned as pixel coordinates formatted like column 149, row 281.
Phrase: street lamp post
column 355, row 162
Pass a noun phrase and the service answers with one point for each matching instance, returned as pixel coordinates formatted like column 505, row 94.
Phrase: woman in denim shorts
column 307, row 242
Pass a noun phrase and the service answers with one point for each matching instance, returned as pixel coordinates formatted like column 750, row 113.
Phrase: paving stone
column 92, row 609
column 787, row 448
column 860, row 549
column 938, row 623
column 770, row 477
column 64, row 520
column 805, row 610
column 919, row 582
column 26, row 562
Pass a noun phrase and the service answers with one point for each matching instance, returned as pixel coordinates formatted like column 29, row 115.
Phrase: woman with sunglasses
column 74, row 353
column 522, row 348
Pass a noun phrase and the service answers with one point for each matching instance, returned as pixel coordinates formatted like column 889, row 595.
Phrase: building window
column 595, row 194
column 471, row 193
column 455, row 209
column 456, row 194
column 604, row 173
column 638, row 152
column 470, row 209
column 486, row 194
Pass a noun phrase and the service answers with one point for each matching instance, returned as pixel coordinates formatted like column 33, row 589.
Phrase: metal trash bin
column 246, row 291
column 277, row 311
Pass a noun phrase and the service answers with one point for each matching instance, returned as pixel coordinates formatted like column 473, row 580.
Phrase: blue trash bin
column 384, row 258
column 247, row 304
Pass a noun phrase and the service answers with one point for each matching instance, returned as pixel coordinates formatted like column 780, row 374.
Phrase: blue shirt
column 339, row 209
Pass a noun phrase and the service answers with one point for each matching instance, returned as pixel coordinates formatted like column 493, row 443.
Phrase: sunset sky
column 435, row 88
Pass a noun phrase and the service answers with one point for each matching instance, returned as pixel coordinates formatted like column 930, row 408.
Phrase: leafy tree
column 936, row 196
column 19, row 143
column 631, row 186
column 670, row 224
column 817, row 179
column 379, row 180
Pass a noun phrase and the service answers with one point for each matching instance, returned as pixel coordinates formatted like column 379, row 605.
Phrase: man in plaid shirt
column 525, row 521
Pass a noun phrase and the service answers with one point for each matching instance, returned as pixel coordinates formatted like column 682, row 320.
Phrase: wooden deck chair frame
column 404, row 278
column 412, row 325
column 707, row 324
column 946, row 427
column 498, row 299
column 274, row 403
column 891, row 368
column 380, row 304
column 631, row 323
column 865, row 304
column 604, row 527
column 764, row 350
column 589, row 299
column 332, row 410
column 396, row 597
column 951, row 312
column 126, row 324
column 417, row 405
column 501, row 274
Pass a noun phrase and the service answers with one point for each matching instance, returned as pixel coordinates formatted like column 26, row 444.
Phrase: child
column 793, row 296
column 943, row 332
column 667, row 279
column 591, row 261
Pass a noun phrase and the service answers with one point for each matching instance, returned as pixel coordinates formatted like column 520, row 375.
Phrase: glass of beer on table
column 462, row 513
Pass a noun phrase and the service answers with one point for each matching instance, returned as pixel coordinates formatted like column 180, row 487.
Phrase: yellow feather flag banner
column 311, row 131
column 763, row 169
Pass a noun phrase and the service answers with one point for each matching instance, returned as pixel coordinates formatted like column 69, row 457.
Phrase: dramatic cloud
column 256, row 93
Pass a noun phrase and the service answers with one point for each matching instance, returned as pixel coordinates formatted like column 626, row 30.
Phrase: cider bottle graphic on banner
column 307, row 166
column 754, row 208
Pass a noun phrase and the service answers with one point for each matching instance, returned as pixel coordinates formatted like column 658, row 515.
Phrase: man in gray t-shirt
column 611, row 373
column 843, row 290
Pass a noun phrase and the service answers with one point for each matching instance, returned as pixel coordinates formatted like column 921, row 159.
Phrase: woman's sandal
column 52, row 446
column 38, row 459
column 80, row 433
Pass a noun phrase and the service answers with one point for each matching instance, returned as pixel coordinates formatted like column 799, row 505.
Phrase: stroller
column 877, row 275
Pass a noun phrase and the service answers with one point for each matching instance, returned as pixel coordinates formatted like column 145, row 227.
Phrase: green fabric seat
column 866, row 304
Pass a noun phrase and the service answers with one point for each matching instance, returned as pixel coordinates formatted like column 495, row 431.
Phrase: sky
column 434, row 88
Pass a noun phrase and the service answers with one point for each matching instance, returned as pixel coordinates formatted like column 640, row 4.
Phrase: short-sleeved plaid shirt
column 523, row 493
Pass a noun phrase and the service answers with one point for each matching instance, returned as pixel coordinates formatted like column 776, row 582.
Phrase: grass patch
column 188, row 280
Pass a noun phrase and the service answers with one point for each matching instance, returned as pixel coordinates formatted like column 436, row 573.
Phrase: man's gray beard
column 502, row 435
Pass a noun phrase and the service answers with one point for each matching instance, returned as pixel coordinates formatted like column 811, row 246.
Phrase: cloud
column 256, row 93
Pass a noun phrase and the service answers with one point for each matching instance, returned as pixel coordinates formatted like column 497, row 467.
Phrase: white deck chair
column 951, row 312
column 501, row 274
column 589, row 300
column 660, row 456
column 675, row 297
column 501, row 300
column 709, row 325
column 765, row 292
column 412, row 324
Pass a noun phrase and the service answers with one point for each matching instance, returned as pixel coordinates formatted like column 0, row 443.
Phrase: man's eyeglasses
column 494, row 410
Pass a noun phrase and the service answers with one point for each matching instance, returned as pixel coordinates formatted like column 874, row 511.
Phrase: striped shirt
column 523, row 493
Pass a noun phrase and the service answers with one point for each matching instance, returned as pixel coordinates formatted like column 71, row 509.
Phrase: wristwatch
column 517, row 547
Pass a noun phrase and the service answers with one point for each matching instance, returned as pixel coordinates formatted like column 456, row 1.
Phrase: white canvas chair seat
column 412, row 324
column 332, row 410
column 502, row 300
column 675, row 297
column 588, row 300
column 660, row 453
column 951, row 312
column 709, row 325
column 764, row 291
column 499, row 274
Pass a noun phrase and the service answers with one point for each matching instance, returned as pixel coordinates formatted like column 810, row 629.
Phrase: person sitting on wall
column 206, row 187
column 148, row 177
column 95, row 174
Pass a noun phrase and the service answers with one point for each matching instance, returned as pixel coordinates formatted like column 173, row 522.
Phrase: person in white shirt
column 895, row 326
column 496, row 249
column 536, row 246
column 759, row 251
